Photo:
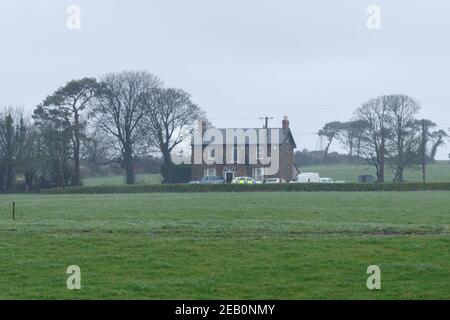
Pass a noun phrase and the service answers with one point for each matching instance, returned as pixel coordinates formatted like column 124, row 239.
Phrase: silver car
column 212, row 180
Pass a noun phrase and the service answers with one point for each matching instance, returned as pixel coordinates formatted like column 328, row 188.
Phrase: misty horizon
column 313, row 61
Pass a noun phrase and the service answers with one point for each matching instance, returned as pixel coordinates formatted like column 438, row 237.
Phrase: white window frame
column 208, row 171
column 235, row 154
column 259, row 153
column 259, row 177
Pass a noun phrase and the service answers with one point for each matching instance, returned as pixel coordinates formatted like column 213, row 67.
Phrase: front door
column 229, row 176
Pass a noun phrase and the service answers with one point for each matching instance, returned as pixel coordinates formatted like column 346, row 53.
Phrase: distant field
column 226, row 245
column 439, row 172
column 120, row 180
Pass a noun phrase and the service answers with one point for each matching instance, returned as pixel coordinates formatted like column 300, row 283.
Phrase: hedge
column 348, row 187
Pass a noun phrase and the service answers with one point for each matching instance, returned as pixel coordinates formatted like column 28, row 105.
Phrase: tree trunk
column 166, row 156
column 60, row 178
column 400, row 160
column 381, row 162
column 9, row 176
column 358, row 148
column 327, row 149
column 350, row 154
column 400, row 177
column 129, row 165
column 166, row 169
column 2, row 178
column 76, row 181
column 29, row 180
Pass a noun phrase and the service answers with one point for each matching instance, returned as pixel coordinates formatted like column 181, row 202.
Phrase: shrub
column 175, row 173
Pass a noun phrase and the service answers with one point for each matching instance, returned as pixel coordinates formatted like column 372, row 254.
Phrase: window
column 259, row 153
column 235, row 154
column 210, row 172
column 258, row 174
column 212, row 154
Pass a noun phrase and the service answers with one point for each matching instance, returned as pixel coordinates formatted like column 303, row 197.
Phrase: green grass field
column 120, row 180
column 226, row 245
column 439, row 172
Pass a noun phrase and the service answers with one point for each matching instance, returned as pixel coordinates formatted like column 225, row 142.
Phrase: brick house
column 236, row 160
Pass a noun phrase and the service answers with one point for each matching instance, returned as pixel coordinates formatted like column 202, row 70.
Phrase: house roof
column 283, row 135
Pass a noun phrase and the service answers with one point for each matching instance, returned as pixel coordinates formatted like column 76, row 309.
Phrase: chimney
column 201, row 126
column 285, row 123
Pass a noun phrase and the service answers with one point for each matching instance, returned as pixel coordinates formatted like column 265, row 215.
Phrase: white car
column 274, row 181
column 326, row 180
column 308, row 177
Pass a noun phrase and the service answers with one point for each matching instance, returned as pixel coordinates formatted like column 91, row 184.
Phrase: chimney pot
column 285, row 122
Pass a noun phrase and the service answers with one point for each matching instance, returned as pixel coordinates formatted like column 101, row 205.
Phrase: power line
column 328, row 105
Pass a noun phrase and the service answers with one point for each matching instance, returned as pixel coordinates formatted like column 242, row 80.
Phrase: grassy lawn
column 226, row 245
column 120, row 180
column 439, row 172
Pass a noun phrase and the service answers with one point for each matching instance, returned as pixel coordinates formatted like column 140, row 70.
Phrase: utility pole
column 424, row 150
column 266, row 119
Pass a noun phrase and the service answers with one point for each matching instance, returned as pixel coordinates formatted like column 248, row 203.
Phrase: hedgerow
column 347, row 187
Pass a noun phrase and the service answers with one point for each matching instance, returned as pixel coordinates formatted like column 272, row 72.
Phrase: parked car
column 275, row 181
column 308, row 177
column 367, row 178
column 326, row 180
column 243, row 180
column 212, row 180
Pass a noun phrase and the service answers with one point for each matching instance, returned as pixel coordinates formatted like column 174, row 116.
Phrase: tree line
column 116, row 119
column 386, row 132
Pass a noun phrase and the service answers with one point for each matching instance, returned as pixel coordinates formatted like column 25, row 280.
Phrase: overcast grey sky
column 313, row 61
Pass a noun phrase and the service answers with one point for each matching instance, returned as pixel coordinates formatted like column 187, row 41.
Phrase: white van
column 326, row 180
column 308, row 177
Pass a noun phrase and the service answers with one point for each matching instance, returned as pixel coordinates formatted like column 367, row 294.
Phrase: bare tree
column 330, row 131
column 172, row 115
column 99, row 149
column 405, row 141
column 120, row 110
column 375, row 116
column 438, row 139
column 350, row 136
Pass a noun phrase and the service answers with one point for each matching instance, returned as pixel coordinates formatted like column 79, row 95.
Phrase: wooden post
column 266, row 123
column 14, row 211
